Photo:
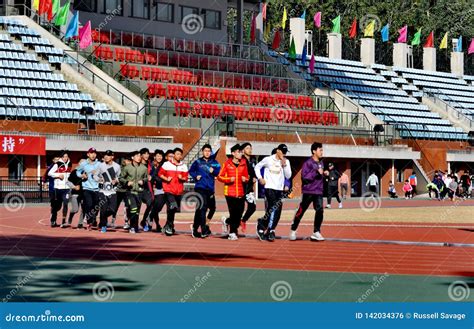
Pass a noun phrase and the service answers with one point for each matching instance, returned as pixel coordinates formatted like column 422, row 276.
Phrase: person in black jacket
column 333, row 185
column 159, row 195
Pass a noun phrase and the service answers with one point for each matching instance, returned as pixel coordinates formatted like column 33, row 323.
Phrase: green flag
column 336, row 25
column 292, row 51
column 61, row 17
column 56, row 5
column 417, row 38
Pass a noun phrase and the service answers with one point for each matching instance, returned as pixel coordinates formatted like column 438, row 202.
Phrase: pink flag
column 317, row 19
column 470, row 50
column 264, row 11
column 85, row 36
column 311, row 64
column 403, row 34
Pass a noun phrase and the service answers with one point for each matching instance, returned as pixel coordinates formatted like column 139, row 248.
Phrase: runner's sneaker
column 146, row 228
column 196, row 234
column 126, row 226
column 271, row 236
column 233, row 237
column 328, row 206
column 224, row 225
column 80, row 227
column 261, row 235
column 158, row 229
column 103, row 229
column 132, row 231
column 340, row 205
column 243, row 225
column 292, row 235
column 317, row 236
column 168, row 230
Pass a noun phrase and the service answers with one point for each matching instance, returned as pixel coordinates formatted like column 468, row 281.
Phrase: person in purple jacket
column 312, row 176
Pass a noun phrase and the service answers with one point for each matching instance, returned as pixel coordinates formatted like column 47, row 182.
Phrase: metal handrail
column 460, row 113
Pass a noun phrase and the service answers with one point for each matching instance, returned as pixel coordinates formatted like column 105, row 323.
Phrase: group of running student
column 99, row 187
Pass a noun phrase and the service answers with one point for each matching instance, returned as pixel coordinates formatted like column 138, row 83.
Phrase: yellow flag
column 444, row 42
column 36, row 4
column 283, row 21
column 266, row 35
column 369, row 29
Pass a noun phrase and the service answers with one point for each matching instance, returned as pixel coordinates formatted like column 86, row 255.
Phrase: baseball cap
column 92, row 150
column 283, row 148
column 331, row 164
column 109, row 152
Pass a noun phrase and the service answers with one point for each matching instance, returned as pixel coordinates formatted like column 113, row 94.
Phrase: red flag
column 264, row 11
column 353, row 31
column 252, row 29
column 276, row 40
column 50, row 10
column 429, row 41
column 42, row 7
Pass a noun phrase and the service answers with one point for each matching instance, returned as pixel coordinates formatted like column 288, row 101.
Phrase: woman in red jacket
column 234, row 174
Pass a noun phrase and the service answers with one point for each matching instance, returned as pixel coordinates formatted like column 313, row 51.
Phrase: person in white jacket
column 60, row 172
column 276, row 169
column 372, row 183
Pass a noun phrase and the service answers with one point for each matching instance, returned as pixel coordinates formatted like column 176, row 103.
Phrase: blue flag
column 459, row 46
column 303, row 55
column 73, row 27
column 304, row 15
column 384, row 32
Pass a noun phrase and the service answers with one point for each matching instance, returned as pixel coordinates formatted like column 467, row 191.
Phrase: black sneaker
column 261, row 235
column 196, row 234
column 168, row 230
column 158, row 229
column 80, row 227
column 271, row 236
column 53, row 224
column 206, row 232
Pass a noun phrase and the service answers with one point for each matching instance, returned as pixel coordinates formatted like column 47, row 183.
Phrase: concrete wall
column 152, row 26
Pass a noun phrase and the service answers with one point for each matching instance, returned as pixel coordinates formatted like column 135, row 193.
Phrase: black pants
column 173, row 203
column 157, row 206
column 147, row 199
column 317, row 201
column 344, row 190
column 108, row 204
column 91, row 206
column 333, row 192
column 206, row 198
column 211, row 205
column 373, row 190
column 236, row 209
column 121, row 196
column 59, row 198
column 133, row 204
column 274, row 203
column 393, row 195
column 251, row 207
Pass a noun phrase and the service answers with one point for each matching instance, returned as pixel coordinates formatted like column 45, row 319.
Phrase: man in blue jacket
column 312, row 176
column 86, row 170
column 204, row 171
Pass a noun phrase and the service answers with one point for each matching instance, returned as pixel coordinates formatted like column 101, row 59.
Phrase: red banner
column 24, row 145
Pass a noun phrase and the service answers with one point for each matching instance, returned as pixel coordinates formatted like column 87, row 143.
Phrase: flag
column 50, row 10
column 44, row 7
column 370, row 29
column 73, row 27
column 416, row 38
column 292, row 51
column 402, row 38
column 471, row 47
column 311, row 64
column 85, row 36
column 36, row 4
column 336, row 25
column 276, row 40
column 283, row 20
column 264, row 11
column 56, row 6
column 459, row 45
column 385, row 33
column 303, row 16
column 304, row 53
column 317, row 19
column 61, row 17
column 253, row 26
column 266, row 35
column 444, row 42
column 429, row 41
column 353, row 30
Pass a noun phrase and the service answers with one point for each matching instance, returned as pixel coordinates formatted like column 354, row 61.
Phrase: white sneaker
column 328, row 206
column 317, row 236
column 233, row 237
column 292, row 235
column 340, row 205
column 224, row 225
